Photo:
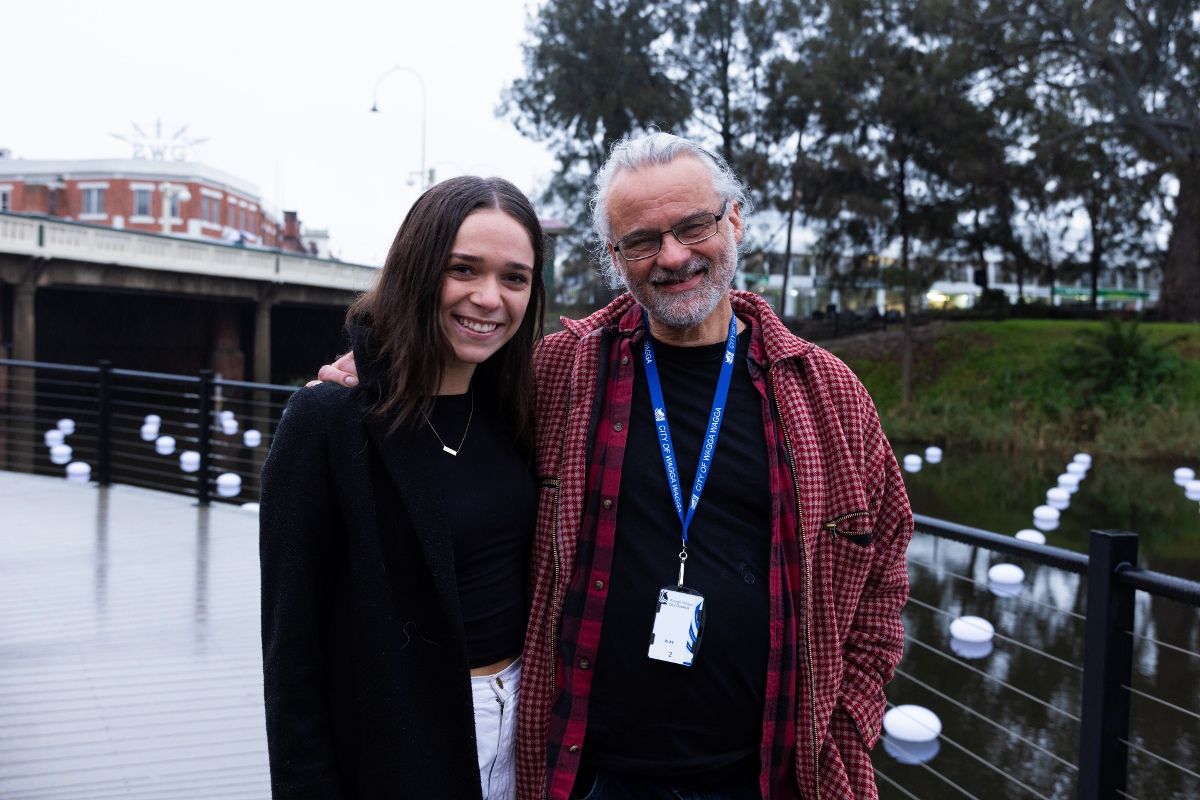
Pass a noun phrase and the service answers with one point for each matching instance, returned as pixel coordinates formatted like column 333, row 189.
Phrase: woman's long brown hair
column 402, row 310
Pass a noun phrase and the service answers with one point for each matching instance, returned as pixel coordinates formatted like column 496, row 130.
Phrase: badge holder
column 678, row 625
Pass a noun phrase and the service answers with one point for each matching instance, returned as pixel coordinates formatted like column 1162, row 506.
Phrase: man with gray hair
column 719, row 561
column 718, row 566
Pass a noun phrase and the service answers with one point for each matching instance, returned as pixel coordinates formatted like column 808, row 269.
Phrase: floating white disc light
column 1184, row 474
column 189, row 461
column 53, row 436
column 225, row 414
column 229, row 426
column 149, row 432
column 1075, row 468
column 1059, row 498
column 152, row 419
column 910, row 723
column 972, row 629
column 971, row 649
column 1029, row 535
column 1069, row 482
column 79, row 472
column 229, row 484
column 67, row 426
column 912, row 752
column 1083, row 458
column 60, row 454
column 912, row 463
column 251, row 438
column 1044, row 521
column 933, row 454
column 164, row 445
column 1006, row 574
column 1191, row 490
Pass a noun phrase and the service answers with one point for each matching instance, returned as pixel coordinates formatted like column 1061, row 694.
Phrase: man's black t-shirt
column 649, row 717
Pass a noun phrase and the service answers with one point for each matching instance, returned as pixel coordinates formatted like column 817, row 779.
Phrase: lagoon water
column 1017, row 707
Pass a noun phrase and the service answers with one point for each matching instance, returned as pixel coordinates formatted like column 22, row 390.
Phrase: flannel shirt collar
column 625, row 316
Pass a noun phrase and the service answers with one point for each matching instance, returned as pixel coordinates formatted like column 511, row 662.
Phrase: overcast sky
column 281, row 91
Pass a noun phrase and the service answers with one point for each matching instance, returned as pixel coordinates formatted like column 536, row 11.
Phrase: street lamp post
column 425, row 177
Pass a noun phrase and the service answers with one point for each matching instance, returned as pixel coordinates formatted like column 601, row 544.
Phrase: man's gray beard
column 699, row 304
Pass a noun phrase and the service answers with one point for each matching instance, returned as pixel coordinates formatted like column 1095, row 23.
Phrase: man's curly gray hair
column 654, row 148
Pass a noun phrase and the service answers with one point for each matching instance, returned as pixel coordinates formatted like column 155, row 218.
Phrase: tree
column 1135, row 65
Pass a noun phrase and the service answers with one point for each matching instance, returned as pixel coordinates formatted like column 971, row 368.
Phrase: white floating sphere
column 189, row 461
column 164, row 445
column 149, row 432
column 152, row 419
column 912, row 463
column 1045, row 525
column 909, row 723
column 1083, row 458
column 229, row 426
column 251, row 438
column 1028, row 535
column 53, row 436
column 224, row 415
column 1191, row 490
column 79, row 472
column 67, row 426
column 1046, row 513
column 1069, row 482
column 912, row 753
column 229, row 484
column 1005, row 589
column 1059, row 498
column 251, row 507
column 933, row 454
column 1075, row 468
column 60, row 454
column 1006, row 573
column 971, row 649
column 972, row 629
column 1184, row 474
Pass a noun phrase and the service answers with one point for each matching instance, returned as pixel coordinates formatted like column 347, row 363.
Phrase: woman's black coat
column 364, row 656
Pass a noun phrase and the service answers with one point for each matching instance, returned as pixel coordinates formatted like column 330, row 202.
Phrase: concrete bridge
column 77, row 293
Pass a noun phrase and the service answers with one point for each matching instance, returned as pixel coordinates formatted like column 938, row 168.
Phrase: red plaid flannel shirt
column 837, row 581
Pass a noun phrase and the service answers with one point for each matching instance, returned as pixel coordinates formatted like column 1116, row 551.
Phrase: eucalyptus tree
column 1135, row 65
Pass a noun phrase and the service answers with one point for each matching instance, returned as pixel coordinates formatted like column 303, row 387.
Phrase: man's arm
column 875, row 644
column 342, row 371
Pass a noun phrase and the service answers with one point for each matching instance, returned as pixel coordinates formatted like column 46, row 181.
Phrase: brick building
column 182, row 198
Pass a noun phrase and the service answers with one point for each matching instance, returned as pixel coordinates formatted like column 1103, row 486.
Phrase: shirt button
column 624, row 360
column 617, row 426
column 573, row 748
column 599, row 584
column 607, row 504
column 584, row 663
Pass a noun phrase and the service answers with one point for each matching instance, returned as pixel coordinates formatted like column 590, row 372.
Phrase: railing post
column 204, row 445
column 104, row 425
column 1107, row 667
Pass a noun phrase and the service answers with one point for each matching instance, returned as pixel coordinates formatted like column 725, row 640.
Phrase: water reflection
column 1018, row 705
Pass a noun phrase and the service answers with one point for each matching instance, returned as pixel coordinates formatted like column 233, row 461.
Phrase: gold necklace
column 445, row 447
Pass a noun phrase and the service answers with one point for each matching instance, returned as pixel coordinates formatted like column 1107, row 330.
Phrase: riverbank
column 1002, row 386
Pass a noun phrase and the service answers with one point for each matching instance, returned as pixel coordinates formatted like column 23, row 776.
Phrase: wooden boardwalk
column 129, row 645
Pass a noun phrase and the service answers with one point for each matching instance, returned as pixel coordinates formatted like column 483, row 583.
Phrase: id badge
column 678, row 625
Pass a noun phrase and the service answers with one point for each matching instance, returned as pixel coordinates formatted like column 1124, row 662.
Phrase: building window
column 214, row 212
column 93, row 201
column 175, row 207
column 232, row 211
column 142, row 203
column 204, row 207
column 5, row 200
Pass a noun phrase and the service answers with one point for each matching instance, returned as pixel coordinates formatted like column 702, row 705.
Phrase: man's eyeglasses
column 692, row 230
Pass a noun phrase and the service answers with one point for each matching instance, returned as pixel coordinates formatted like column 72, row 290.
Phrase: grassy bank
column 1001, row 385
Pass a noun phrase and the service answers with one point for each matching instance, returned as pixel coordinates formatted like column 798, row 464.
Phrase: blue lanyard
column 663, row 429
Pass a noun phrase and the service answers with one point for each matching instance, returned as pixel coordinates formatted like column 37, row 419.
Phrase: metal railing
column 199, row 435
column 218, row 432
column 1098, row 713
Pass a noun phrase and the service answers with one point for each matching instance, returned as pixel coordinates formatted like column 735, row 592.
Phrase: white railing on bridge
column 36, row 236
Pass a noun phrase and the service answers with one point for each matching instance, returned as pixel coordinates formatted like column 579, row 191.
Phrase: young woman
column 397, row 516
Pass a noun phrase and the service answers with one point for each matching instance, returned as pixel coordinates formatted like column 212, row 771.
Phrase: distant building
column 182, row 198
